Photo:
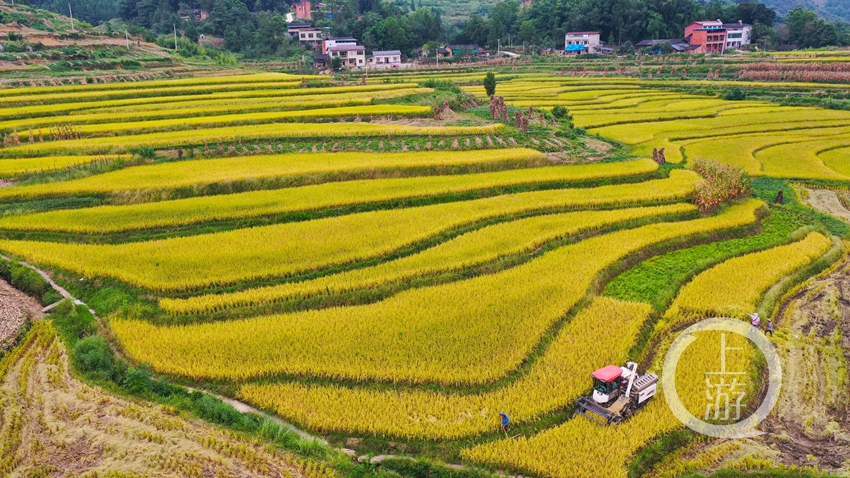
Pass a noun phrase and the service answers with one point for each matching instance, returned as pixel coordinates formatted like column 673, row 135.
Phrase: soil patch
column 15, row 308
column 827, row 201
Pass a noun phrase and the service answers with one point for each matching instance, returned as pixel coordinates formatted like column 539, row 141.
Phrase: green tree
column 336, row 63
column 475, row 31
column 191, row 33
column 490, row 83
column 528, row 32
column 503, row 19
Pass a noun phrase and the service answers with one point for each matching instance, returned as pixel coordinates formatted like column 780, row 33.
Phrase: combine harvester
column 617, row 393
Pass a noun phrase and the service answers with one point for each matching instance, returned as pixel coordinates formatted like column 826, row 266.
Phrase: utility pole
column 498, row 46
column 437, row 55
column 127, row 37
column 71, row 14
column 175, row 36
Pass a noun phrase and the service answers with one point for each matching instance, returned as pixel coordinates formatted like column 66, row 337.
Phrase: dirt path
column 827, row 202
column 15, row 308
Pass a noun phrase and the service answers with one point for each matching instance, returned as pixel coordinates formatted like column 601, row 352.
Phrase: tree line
column 257, row 28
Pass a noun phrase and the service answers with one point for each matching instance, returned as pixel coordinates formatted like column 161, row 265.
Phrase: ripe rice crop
column 553, row 381
column 443, row 334
column 734, row 287
column 740, row 151
column 159, row 110
column 251, row 132
column 688, row 129
column 596, row 120
column 16, row 167
column 258, row 117
column 800, row 160
column 286, row 249
column 284, row 94
column 836, row 159
column 288, row 167
column 577, row 447
column 467, row 250
column 204, row 106
column 105, row 219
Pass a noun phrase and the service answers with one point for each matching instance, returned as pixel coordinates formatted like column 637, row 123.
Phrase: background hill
column 833, row 9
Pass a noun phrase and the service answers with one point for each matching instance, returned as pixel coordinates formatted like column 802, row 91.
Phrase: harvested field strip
column 16, row 167
column 735, row 287
column 465, row 251
column 287, row 168
column 107, row 219
column 58, row 423
column 413, row 336
column 552, row 382
column 56, row 108
column 255, row 117
column 123, row 144
column 287, row 249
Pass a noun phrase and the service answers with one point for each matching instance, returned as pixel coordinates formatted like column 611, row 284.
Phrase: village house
column 310, row 38
column 302, row 10
column 580, row 43
column 463, row 50
column 307, row 35
column 353, row 56
column 707, row 36
column 195, row 14
column 738, row 34
column 391, row 58
column 340, row 41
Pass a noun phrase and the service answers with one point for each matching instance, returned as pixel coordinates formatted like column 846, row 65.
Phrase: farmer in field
column 506, row 420
column 770, row 326
column 756, row 320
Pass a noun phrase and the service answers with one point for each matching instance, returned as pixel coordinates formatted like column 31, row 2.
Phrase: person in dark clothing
column 769, row 327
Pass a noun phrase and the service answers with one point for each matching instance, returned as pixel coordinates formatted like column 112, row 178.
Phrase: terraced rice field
column 690, row 126
column 340, row 258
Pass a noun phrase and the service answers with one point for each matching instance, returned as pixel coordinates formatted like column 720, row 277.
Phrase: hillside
column 454, row 11
column 832, row 9
column 39, row 47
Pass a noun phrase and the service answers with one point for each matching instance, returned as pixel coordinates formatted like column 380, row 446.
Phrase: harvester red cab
column 617, row 393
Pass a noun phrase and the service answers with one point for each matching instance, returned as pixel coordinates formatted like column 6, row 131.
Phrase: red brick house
column 707, row 36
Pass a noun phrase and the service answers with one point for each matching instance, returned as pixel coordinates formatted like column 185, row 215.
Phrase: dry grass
column 53, row 425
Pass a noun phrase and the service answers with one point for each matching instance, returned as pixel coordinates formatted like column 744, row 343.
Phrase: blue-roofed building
column 580, row 43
